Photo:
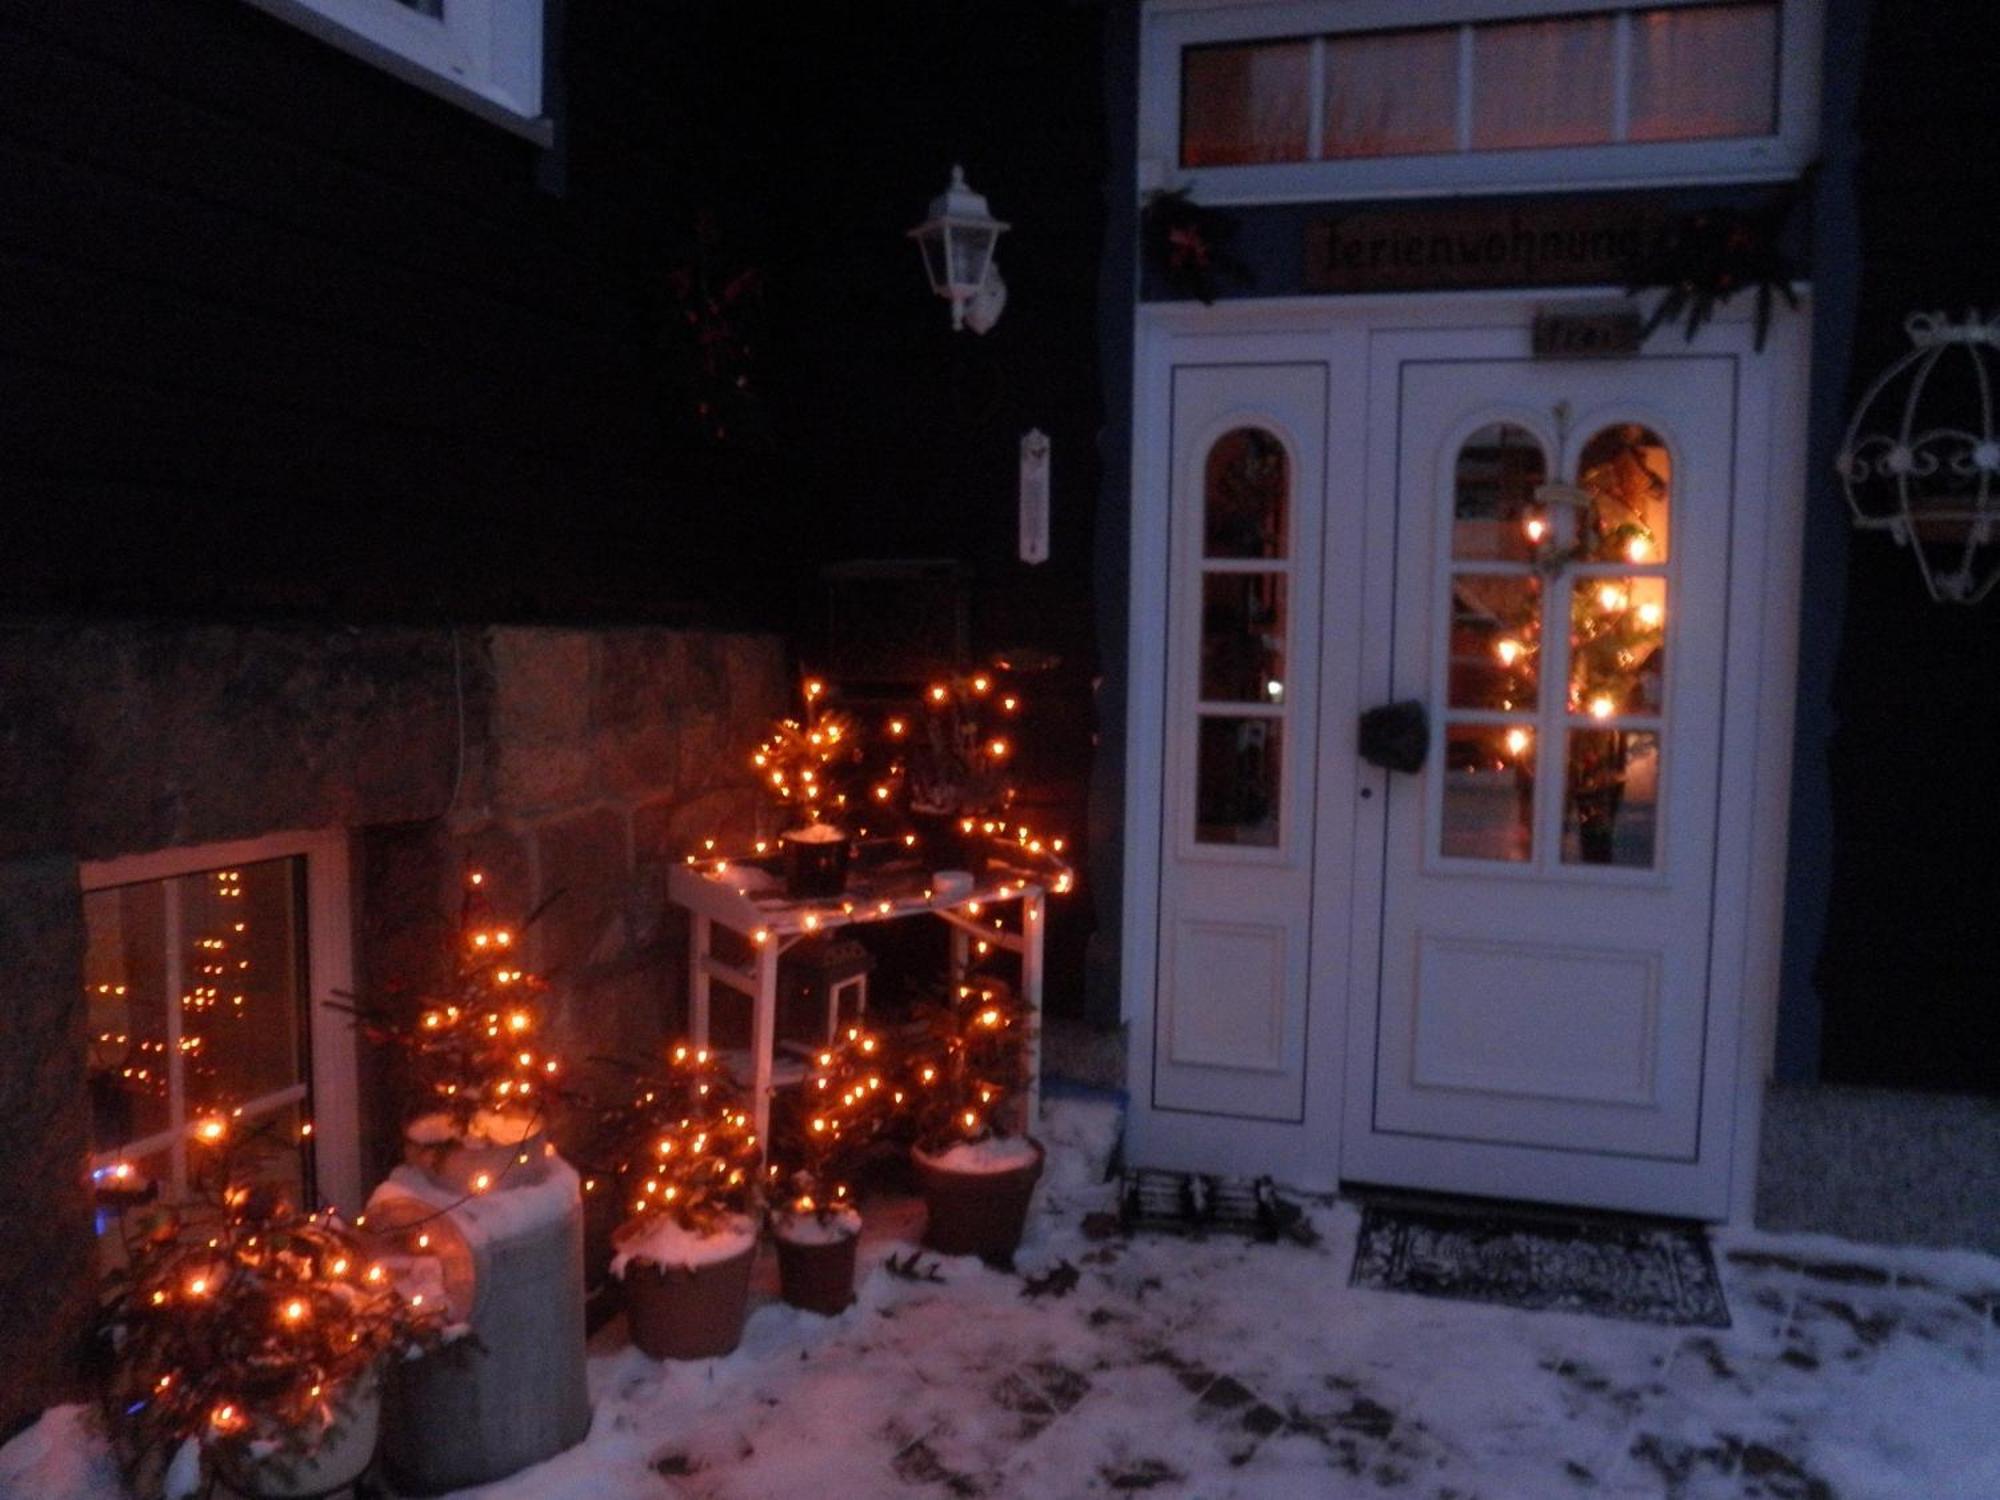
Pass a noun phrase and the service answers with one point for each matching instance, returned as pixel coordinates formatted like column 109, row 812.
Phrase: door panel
column 1560, row 560
column 1248, row 471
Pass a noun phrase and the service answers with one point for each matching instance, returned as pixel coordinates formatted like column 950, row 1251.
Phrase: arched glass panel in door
column 1618, row 616
column 1245, row 602
column 1492, row 647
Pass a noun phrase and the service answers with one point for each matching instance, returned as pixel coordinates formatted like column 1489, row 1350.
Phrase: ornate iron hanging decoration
column 1921, row 462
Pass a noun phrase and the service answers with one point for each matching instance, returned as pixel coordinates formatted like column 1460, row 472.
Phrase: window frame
column 332, row 1090
column 483, row 55
column 1171, row 25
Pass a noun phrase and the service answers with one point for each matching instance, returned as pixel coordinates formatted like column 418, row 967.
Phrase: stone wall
column 572, row 765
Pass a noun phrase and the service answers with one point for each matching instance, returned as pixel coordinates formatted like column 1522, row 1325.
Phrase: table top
column 749, row 896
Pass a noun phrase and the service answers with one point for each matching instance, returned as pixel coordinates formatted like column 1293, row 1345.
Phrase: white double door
column 1498, row 961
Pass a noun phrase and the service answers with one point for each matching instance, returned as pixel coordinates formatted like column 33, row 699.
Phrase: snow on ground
column 1218, row 1368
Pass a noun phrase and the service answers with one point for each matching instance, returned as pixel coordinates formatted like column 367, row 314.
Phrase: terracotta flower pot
column 976, row 1213
column 335, row 1459
column 818, row 1277
column 680, row 1313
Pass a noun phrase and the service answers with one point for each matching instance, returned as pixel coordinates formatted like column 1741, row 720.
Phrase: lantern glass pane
column 971, row 247
column 930, row 246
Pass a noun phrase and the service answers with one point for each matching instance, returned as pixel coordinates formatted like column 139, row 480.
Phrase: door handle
column 1396, row 736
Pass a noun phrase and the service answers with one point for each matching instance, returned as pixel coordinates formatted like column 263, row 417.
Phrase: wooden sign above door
column 1572, row 242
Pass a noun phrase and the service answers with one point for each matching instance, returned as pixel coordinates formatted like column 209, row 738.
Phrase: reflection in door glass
column 1494, row 515
column 1237, row 781
column 1611, row 797
column 1628, row 474
column 1496, row 628
column 1617, row 646
column 1489, row 792
column 1244, row 490
column 1243, row 637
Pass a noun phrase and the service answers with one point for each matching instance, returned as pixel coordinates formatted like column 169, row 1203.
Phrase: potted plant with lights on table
column 967, row 1085
column 805, row 765
column 823, row 1127
column 243, row 1339
column 683, row 1155
column 951, row 760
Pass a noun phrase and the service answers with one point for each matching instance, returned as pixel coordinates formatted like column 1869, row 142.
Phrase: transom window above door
column 1330, row 99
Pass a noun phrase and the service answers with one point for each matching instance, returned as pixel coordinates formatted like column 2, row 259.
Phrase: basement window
column 207, row 973
column 485, row 55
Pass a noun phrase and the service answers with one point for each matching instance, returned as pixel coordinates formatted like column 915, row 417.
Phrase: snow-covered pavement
column 1219, row 1368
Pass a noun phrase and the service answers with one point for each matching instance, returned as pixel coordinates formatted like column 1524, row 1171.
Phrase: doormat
column 1640, row 1270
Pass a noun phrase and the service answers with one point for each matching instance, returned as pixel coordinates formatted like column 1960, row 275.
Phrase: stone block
column 584, row 866
column 532, row 779
column 641, row 677
column 669, row 829
column 46, row 1252
column 640, row 760
column 541, row 685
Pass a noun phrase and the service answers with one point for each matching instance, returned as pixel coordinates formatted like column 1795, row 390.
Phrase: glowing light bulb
column 1650, row 615
column 1517, row 741
column 1611, row 596
column 1536, row 528
column 1508, row 650
column 1639, row 549
column 1601, row 706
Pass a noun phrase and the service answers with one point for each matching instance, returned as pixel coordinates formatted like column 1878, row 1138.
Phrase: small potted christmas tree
column 479, row 1082
column 684, row 1158
column 805, row 765
column 823, row 1129
column 244, row 1339
column 967, row 1084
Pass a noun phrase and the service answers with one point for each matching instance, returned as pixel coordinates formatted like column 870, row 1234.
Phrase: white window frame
column 485, row 55
column 1171, row 25
column 335, row 1107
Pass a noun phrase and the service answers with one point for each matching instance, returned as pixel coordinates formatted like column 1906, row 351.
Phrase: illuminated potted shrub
column 822, row 1129
column 244, row 1339
column 950, row 763
column 805, row 765
column 473, row 1067
column 967, row 1087
column 683, row 1156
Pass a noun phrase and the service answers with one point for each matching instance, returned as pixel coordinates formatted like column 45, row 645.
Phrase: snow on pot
column 687, row 1291
column 967, row 1086
column 976, row 1195
column 816, row 1258
column 492, row 1147
column 682, row 1155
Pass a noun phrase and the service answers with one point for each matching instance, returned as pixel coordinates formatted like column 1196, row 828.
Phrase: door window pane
column 196, row 1002
column 1489, row 792
column 1237, row 781
column 1628, row 474
column 1542, row 83
column 1495, row 632
column 1391, row 93
column 1243, row 637
column 240, row 1025
column 1245, row 489
column 1244, row 104
column 1493, row 500
column 125, row 990
column 1704, row 72
column 1618, row 646
column 1611, row 797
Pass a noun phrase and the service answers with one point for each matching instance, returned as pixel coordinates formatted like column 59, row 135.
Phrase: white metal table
column 747, row 900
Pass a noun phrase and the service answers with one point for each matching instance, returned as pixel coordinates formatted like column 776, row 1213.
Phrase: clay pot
column 818, row 1277
column 457, row 1164
column 329, row 1465
column 815, row 867
column 977, row 1213
column 675, row 1312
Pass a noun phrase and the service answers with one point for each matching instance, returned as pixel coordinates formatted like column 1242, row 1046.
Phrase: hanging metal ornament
column 1921, row 462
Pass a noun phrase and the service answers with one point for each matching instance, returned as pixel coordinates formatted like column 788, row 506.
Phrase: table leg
column 698, row 980
column 763, row 1040
column 1034, row 917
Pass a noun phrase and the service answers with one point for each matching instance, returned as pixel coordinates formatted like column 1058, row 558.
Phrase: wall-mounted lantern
column 957, row 242
column 1921, row 461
